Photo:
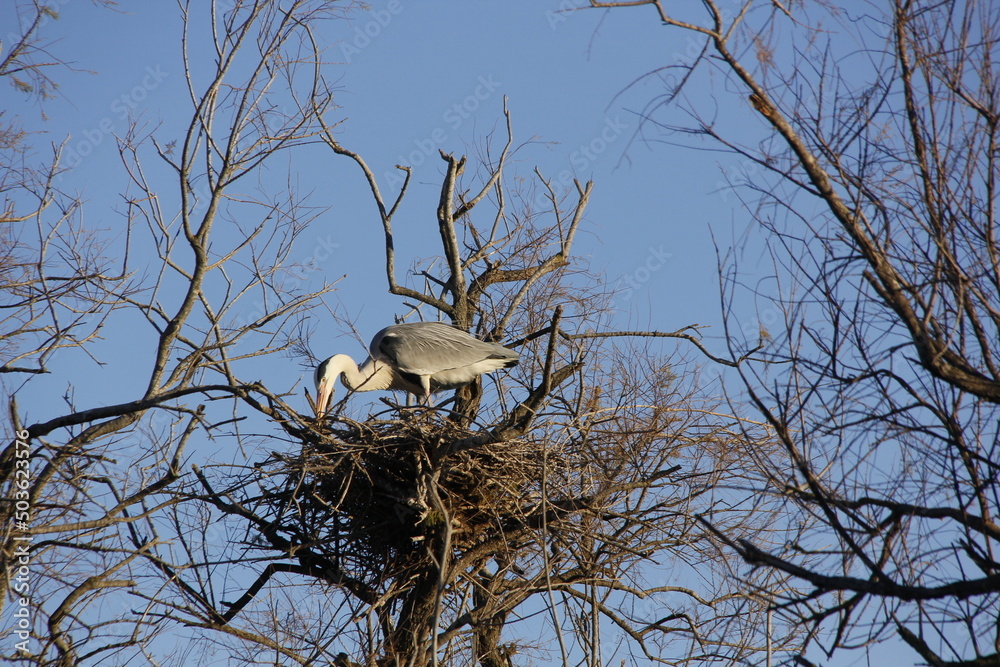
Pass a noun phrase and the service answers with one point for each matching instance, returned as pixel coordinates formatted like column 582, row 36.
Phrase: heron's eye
column 320, row 372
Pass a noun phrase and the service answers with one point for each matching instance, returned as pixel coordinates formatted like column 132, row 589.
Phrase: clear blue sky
column 436, row 70
column 415, row 77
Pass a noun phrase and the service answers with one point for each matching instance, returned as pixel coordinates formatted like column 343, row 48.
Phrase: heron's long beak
column 323, row 395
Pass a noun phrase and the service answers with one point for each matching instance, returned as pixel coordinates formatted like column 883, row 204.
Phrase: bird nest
column 372, row 496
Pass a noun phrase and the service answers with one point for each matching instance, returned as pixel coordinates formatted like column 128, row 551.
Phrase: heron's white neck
column 372, row 374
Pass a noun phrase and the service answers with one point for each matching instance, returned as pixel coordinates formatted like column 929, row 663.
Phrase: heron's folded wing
column 420, row 352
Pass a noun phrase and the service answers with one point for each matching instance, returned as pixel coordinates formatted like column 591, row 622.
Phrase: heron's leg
column 425, row 383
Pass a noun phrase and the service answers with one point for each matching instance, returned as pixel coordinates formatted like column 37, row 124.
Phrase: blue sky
column 415, row 78
column 432, row 71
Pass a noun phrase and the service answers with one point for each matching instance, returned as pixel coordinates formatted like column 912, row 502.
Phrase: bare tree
column 580, row 476
column 25, row 59
column 873, row 177
column 58, row 286
column 103, row 479
column 568, row 490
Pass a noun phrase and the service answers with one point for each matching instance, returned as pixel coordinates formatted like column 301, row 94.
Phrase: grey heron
column 420, row 358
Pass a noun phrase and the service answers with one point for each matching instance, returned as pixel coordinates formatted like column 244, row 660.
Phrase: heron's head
column 325, row 377
column 372, row 375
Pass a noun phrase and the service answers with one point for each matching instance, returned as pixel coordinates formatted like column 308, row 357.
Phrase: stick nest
column 372, row 496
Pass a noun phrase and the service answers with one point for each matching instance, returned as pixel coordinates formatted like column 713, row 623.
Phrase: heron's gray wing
column 425, row 348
